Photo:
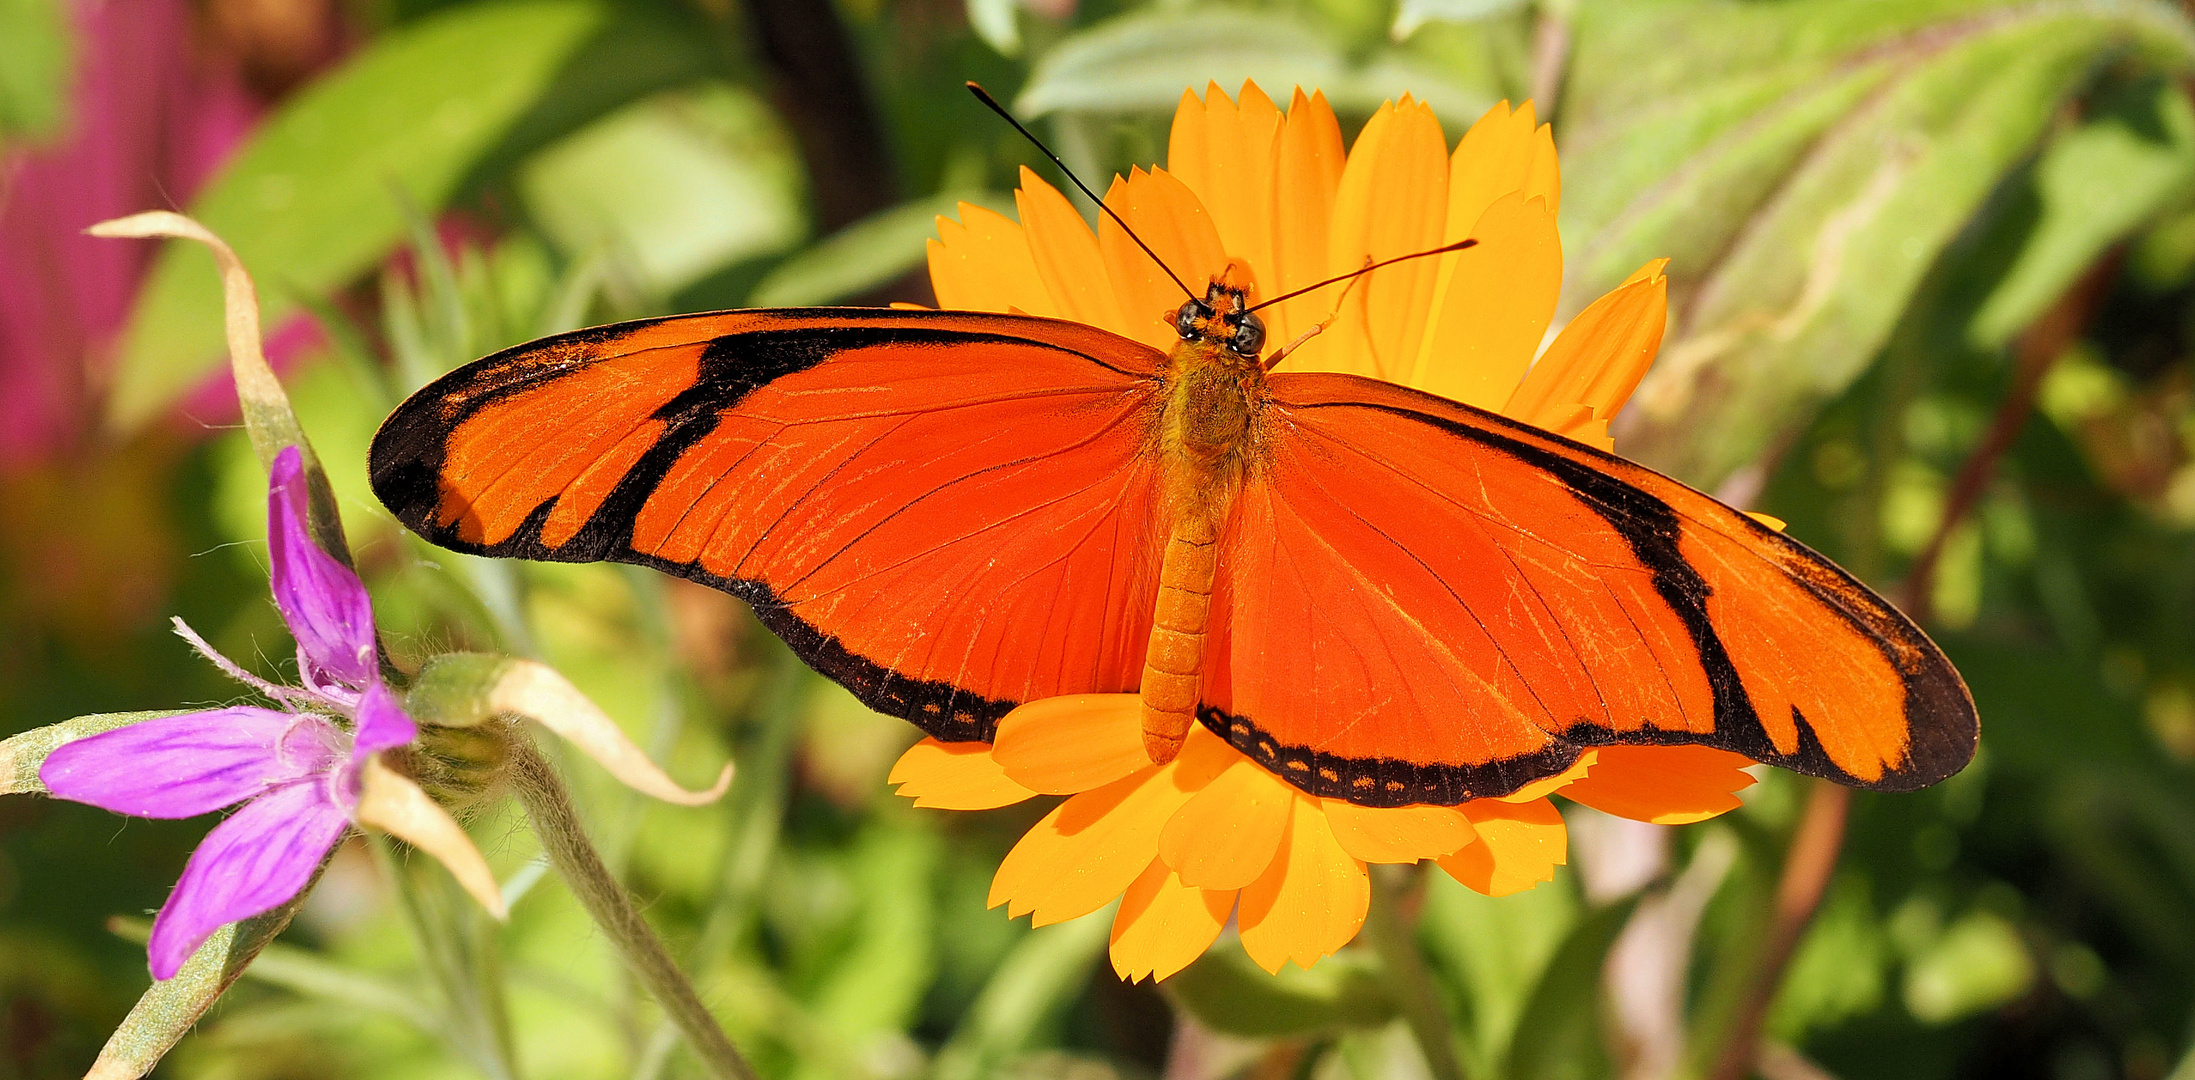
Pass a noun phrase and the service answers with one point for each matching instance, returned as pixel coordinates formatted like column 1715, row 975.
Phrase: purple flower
column 298, row 774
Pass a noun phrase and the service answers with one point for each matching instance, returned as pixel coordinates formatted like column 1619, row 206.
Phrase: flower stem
column 1807, row 868
column 606, row 901
column 1392, row 933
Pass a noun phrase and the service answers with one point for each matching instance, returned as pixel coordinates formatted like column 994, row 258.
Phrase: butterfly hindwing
column 1500, row 597
column 949, row 514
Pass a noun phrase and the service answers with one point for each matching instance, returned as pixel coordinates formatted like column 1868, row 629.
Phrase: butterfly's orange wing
column 947, row 513
column 1475, row 600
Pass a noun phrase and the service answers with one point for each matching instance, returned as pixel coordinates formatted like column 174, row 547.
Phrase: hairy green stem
column 1393, row 935
column 606, row 901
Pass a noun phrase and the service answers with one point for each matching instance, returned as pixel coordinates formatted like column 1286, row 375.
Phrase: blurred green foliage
column 1870, row 206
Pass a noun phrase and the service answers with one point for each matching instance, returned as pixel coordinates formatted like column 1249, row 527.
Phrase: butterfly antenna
column 1360, row 272
column 990, row 102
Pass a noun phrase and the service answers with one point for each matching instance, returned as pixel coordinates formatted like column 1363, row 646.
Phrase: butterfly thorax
column 1207, row 440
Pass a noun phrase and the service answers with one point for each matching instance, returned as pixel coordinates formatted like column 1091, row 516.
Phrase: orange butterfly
column 1383, row 596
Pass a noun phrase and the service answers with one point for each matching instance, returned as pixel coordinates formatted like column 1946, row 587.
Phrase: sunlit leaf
column 1804, row 164
column 671, row 188
column 1142, row 62
column 313, row 199
column 865, row 255
column 1411, row 14
column 994, row 22
column 2128, row 159
column 1978, row 963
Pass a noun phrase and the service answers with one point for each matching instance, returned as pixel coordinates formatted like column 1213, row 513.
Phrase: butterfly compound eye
column 1185, row 320
column 1249, row 335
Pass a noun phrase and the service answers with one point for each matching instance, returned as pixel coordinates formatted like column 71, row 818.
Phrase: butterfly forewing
column 950, row 515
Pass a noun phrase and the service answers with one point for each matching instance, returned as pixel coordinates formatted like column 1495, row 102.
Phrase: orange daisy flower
column 1213, row 834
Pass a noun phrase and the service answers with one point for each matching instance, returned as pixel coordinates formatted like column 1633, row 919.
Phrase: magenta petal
column 381, row 724
column 196, row 763
column 327, row 608
column 250, row 864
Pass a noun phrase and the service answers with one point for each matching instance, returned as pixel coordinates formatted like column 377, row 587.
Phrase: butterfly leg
column 1284, row 351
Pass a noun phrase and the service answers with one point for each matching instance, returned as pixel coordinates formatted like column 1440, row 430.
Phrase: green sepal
column 454, row 689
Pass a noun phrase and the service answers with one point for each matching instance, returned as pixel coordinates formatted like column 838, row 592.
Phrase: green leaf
column 1558, row 1035
column 1980, row 962
column 1491, row 954
column 1411, row 14
column 21, row 755
column 1228, row 993
column 1143, row 62
column 1838, row 971
column 876, row 982
column 865, row 255
column 34, row 68
column 1804, row 164
column 170, row 1008
column 307, row 973
column 312, row 200
column 673, row 187
column 1038, row 978
column 995, row 22
column 2132, row 157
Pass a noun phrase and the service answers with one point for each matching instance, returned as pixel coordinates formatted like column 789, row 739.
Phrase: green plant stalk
column 550, row 808
column 1393, row 936
column 479, row 1027
column 758, row 815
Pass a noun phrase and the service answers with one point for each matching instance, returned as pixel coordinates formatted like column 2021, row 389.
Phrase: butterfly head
column 1222, row 318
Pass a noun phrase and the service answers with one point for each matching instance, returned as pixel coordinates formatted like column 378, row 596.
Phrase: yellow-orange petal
column 982, row 263
column 1545, row 179
column 1497, row 306
column 1065, row 252
column 1519, row 846
column 1548, row 785
column 1228, row 833
column 1393, row 200
column 1667, row 785
column 1596, row 361
column 1062, row 745
column 1770, row 520
column 1168, row 216
column 1400, row 834
column 1086, row 851
column 1306, row 173
column 1090, row 848
column 1497, row 156
column 1164, row 925
column 954, row 776
column 1310, row 902
column 1224, row 153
